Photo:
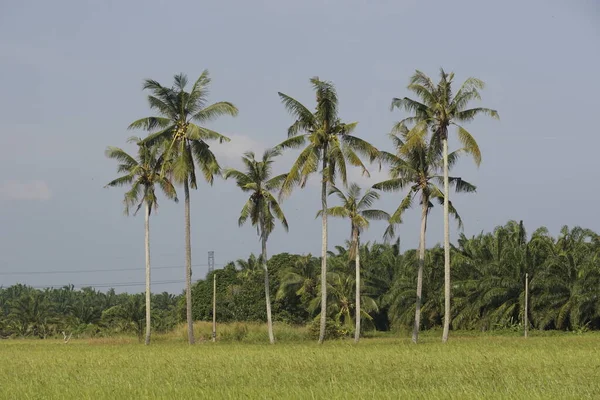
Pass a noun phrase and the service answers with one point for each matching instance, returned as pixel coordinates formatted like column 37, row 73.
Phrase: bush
column 333, row 330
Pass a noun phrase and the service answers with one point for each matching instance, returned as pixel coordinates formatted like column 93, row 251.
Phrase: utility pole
column 526, row 302
column 214, row 326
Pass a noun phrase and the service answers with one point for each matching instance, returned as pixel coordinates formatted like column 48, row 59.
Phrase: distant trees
column 488, row 269
column 29, row 312
column 488, row 279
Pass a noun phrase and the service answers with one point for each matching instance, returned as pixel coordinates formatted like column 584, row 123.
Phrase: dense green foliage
column 488, row 290
column 29, row 312
column 488, row 272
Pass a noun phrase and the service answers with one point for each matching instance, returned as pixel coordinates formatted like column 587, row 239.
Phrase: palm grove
column 373, row 283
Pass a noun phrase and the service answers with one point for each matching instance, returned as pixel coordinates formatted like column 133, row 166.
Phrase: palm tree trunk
column 526, row 314
column 357, row 265
column 188, row 265
column 446, row 244
column 425, row 207
column 323, row 248
column 267, row 292
column 214, row 325
column 147, row 248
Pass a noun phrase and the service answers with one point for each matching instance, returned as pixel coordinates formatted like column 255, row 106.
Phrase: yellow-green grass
column 467, row 367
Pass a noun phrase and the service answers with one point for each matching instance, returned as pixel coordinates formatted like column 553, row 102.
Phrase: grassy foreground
column 490, row 367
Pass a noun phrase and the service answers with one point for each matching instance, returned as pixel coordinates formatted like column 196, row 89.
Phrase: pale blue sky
column 71, row 81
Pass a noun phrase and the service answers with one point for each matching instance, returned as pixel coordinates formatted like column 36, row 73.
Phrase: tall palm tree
column 331, row 144
column 143, row 174
column 357, row 209
column 178, row 131
column 262, row 207
column 438, row 109
column 417, row 166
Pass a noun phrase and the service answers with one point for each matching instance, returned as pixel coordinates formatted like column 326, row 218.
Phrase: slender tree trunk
column 214, row 326
column 446, row 245
column 267, row 292
column 324, row 249
column 188, row 265
column 147, row 245
column 357, row 265
column 425, row 207
column 526, row 303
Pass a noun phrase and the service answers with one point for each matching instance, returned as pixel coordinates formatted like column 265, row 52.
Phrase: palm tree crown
column 178, row 127
column 439, row 108
column 417, row 165
column 356, row 208
column 257, row 179
column 143, row 174
column 328, row 138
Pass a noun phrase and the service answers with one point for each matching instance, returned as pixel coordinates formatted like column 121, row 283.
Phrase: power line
column 93, row 270
column 116, row 284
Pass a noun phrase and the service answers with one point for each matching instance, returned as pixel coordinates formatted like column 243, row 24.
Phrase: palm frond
column 470, row 114
column 367, row 200
column 150, row 123
column 120, row 155
column 206, row 160
column 304, row 118
column 469, row 143
column 378, row 215
column 214, row 111
column 390, row 185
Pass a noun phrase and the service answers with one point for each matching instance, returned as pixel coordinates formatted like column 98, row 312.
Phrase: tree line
column 176, row 148
column 488, row 275
column 29, row 312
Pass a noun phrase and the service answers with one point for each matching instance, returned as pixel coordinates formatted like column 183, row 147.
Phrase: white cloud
column 230, row 153
column 31, row 190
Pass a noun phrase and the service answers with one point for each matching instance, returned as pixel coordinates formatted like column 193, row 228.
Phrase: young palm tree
column 262, row 207
column 357, row 209
column 417, row 166
column 438, row 109
column 143, row 174
column 185, row 146
column 330, row 144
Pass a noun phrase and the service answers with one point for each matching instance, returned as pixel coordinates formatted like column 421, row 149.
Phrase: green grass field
column 565, row 366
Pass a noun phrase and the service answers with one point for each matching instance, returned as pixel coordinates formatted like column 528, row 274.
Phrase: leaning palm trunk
column 357, row 265
column 324, row 249
column 147, row 248
column 188, row 265
column 446, row 244
column 267, row 292
column 415, row 335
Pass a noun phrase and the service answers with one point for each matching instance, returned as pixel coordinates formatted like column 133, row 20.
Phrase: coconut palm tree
column 143, row 174
column 178, row 130
column 417, row 167
column 438, row 109
column 330, row 144
column 357, row 209
column 262, row 207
